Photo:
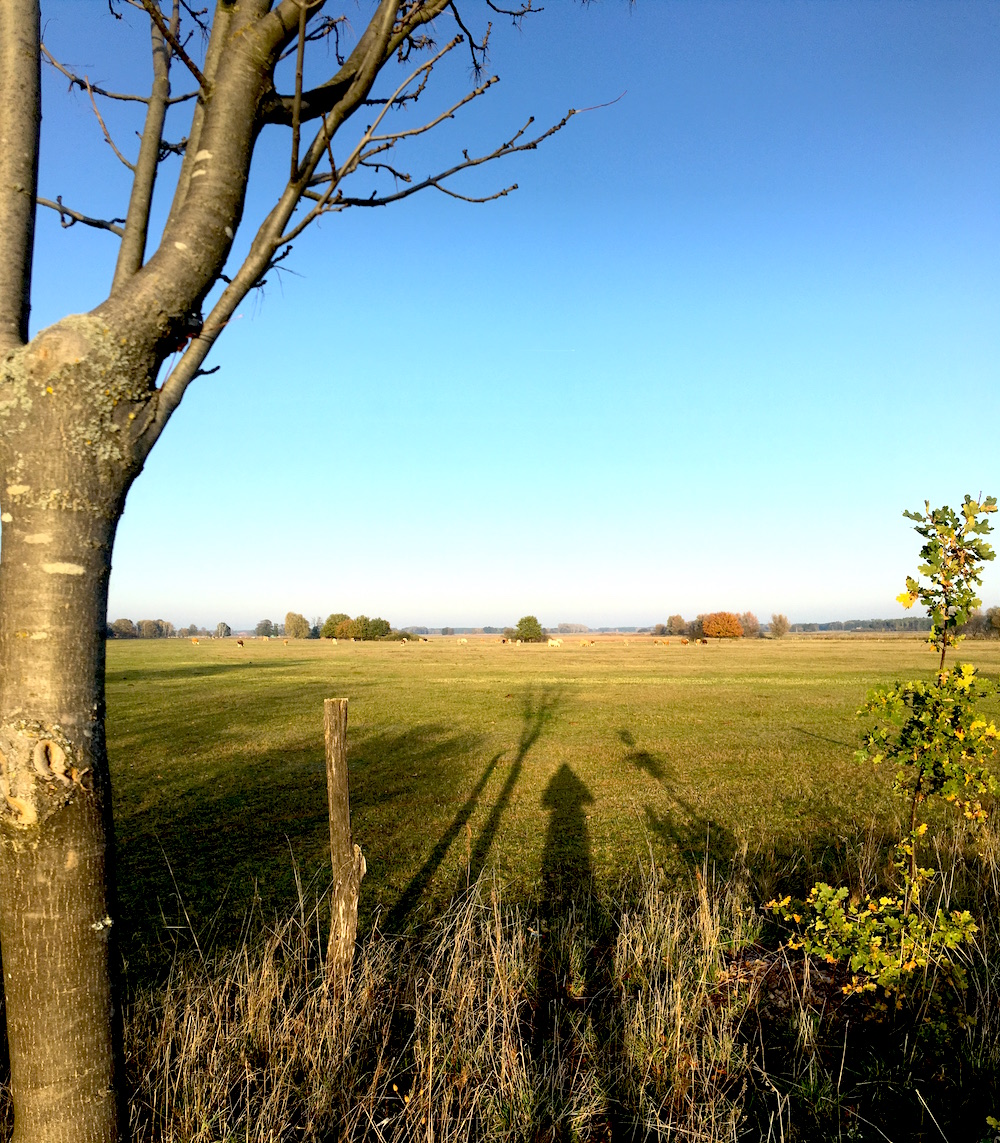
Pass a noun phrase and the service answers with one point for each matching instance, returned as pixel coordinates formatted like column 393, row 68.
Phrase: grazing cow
column 684, row 642
column 463, row 640
column 195, row 642
column 286, row 642
column 239, row 642
column 704, row 642
column 555, row 642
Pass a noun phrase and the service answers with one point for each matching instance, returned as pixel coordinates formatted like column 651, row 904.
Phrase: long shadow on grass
column 200, row 670
column 576, row 993
column 824, row 738
column 536, row 714
column 641, row 759
column 411, row 895
column 234, row 839
column 566, row 864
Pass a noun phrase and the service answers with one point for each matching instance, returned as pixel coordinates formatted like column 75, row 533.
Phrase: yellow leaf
column 906, row 598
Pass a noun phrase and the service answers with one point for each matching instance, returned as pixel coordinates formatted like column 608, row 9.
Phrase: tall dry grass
column 663, row 1011
column 495, row 1023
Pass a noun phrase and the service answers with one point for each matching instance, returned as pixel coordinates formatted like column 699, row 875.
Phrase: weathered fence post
column 347, row 858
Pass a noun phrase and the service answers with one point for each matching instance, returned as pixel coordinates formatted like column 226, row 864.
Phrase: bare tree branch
column 75, row 216
column 511, row 147
column 133, row 247
column 297, row 101
column 153, row 9
column 319, row 101
column 20, row 121
column 388, row 28
column 125, row 97
column 364, row 64
column 213, row 55
column 320, row 143
column 107, row 134
column 477, row 49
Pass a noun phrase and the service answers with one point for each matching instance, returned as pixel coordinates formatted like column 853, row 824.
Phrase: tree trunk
column 64, row 472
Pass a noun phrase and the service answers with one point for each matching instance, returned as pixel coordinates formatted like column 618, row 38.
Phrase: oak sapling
column 953, row 557
column 942, row 747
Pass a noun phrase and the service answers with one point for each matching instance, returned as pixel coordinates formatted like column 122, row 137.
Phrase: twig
column 157, row 17
column 75, row 216
column 297, row 99
column 107, row 133
column 359, row 150
column 512, row 147
column 82, row 84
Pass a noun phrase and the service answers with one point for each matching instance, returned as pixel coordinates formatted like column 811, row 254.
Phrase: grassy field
column 549, row 765
column 620, row 811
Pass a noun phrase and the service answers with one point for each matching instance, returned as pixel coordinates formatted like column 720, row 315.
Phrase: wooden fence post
column 347, row 859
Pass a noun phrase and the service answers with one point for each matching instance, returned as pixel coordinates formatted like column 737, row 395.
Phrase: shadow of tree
column 233, row 838
column 202, row 670
column 414, row 890
column 641, row 759
column 536, row 713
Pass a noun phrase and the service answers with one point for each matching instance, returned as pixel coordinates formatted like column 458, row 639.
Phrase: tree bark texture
column 65, row 467
column 20, row 119
column 347, row 859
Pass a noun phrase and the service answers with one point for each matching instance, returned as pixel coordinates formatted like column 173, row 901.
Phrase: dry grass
column 490, row 1024
column 661, row 1016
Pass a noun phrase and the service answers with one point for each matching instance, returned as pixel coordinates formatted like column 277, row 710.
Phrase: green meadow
column 551, row 766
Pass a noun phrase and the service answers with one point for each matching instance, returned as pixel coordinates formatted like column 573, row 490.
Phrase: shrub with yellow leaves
column 942, row 747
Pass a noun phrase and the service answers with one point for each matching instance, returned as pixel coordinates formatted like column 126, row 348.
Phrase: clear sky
column 727, row 329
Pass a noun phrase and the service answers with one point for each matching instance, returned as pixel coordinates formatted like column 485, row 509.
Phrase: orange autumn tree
column 722, row 625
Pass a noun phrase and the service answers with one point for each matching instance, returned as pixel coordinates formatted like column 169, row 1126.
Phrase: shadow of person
column 566, row 866
column 576, row 990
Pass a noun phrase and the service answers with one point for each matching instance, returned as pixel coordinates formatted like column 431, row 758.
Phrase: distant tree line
column 163, row 629
column 904, row 623
column 144, row 629
column 711, row 625
column 983, row 625
column 340, row 625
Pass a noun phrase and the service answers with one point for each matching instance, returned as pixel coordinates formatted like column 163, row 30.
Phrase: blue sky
column 727, row 329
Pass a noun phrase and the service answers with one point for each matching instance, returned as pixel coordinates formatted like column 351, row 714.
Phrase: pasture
column 551, row 766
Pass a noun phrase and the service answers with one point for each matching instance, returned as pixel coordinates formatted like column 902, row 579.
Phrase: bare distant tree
column 779, row 626
column 83, row 402
column 750, row 625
